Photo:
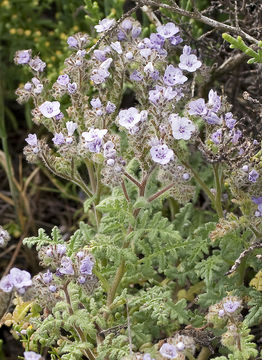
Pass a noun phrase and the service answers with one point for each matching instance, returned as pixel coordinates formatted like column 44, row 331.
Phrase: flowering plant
column 135, row 280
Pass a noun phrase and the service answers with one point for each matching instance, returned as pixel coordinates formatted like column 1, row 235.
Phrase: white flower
column 129, row 118
column 104, row 25
column 117, row 47
column 50, row 109
column 182, row 128
column 161, row 154
column 71, row 127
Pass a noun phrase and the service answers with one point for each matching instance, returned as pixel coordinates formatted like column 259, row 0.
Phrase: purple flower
column 59, row 116
column 185, row 176
column 126, row 25
column 186, row 50
column 221, row 313
column 72, row 42
column 216, row 137
column 20, row 278
column 86, row 266
column 58, row 139
column 168, row 351
column 109, row 150
column 129, row 118
column 145, row 53
column 253, row 176
column 175, row 40
column 197, row 107
column 136, row 31
column 168, row 30
column 104, row 25
column 31, row 140
column 136, row 76
column 23, row 56
column 245, row 168
column 212, row 118
column 230, row 122
column 155, row 96
column 28, row 86
column 214, row 101
column 100, row 55
column 182, row 128
column 63, row 80
column 110, row 107
column 37, row 64
column 93, row 139
column 6, row 284
column 258, row 202
column 52, row 288
column 61, row 249
column 99, row 75
column 47, row 277
column 129, row 55
column 173, row 76
column 147, row 357
column 96, row 103
column 71, row 127
column 31, row 355
column 117, row 47
column 66, row 266
column 231, row 306
column 236, row 135
column 72, row 87
column 189, row 62
column 161, row 154
column 50, row 109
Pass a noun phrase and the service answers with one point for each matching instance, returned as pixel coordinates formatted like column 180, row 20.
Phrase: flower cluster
column 226, row 310
column 176, row 347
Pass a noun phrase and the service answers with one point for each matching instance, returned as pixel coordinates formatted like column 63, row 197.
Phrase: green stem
column 118, row 277
column 9, row 171
column 91, row 174
column 204, row 354
column 242, row 271
column 218, row 203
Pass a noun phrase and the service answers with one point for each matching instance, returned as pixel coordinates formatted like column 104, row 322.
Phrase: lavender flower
column 175, row 40
column 28, row 86
column 230, row 122
column 161, row 154
column 136, row 31
column 117, row 47
column 60, row 116
column 109, row 150
column 166, row 93
column 23, row 57
column 182, row 128
column 20, row 278
column 129, row 118
column 214, row 101
column 33, row 142
column 93, row 139
column 37, row 64
column 168, row 30
column 72, row 88
column 63, row 80
column 217, row 136
column 47, row 277
column 81, row 279
column 96, row 103
column 173, row 76
column 100, row 55
column 99, row 75
column 136, row 76
column 212, row 118
column 258, row 202
column 168, row 351
column 58, row 139
column 231, row 306
column 245, row 168
column 253, row 176
column 50, row 109
column 197, row 107
column 66, row 266
column 61, row 249
column 6, row 284
column 104, row 25
column 31, row 355
column 72, row 42
column 145, row 53
column 86, row 266
column 110, row 107
column 189, row 62
column 236, row 135
column 52, row 288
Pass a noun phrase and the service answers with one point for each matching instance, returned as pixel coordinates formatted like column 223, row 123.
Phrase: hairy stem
column 218, row 203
